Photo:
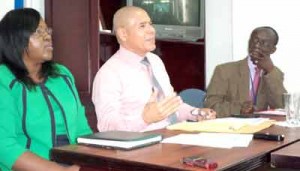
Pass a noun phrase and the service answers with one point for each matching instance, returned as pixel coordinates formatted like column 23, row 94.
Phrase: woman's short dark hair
column 16, row 27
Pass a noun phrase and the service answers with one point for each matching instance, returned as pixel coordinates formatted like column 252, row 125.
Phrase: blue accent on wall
column 19, row 4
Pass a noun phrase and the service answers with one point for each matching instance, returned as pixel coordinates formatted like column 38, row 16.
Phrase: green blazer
column 229, row 88
column 27, row 118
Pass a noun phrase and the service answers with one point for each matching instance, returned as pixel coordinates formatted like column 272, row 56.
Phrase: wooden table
column 168, row 156
column 287, row 157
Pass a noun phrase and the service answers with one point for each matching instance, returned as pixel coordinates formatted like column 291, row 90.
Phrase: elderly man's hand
column 204, row 113
column 155, row 111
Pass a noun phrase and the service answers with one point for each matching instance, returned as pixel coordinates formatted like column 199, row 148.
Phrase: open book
column 120, row 139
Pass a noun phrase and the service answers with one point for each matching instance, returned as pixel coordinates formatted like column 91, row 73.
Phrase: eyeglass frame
column 262, row 43
column 40, row 33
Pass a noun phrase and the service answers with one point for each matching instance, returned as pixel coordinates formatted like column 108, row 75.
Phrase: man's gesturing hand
column 155, row 110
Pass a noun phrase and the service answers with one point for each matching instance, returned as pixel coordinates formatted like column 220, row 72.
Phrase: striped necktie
column 255, row 85
column 172, row 118
column 154, row 81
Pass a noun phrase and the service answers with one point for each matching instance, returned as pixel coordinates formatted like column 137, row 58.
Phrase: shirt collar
column 252, row 66
column 129, row 56
column 250, row 63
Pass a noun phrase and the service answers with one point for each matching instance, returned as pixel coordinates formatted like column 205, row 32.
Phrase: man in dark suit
column 251, row 84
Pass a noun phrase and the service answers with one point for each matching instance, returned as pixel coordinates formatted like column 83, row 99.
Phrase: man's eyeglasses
column 262, row 43
column 40, row 33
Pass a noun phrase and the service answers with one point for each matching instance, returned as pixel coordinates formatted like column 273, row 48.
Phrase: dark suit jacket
column 229, row 88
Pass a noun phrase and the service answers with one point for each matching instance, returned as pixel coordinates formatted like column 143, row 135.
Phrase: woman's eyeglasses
column 41, row 33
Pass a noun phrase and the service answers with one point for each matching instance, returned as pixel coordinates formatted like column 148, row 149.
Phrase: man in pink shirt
column 124, row 94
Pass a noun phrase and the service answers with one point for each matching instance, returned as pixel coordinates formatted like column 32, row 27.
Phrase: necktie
column 154, row 81
column 172, row 118
column 255, row 84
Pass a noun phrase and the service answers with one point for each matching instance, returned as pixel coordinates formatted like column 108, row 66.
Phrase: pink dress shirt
column 252, row 71
column 121, row 89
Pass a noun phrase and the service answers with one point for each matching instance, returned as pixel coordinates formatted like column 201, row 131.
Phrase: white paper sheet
column 285, row 124
column 218, row 140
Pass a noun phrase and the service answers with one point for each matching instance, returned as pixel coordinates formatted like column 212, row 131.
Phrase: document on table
column 225, row 125
column 218, row 140
column 280, row 112
column 286, row 124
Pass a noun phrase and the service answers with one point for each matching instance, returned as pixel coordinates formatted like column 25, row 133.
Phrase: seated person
column 251, row 84
column 39, row 103
column 132, row 90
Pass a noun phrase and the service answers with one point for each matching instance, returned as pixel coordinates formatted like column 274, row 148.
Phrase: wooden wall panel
column 76, row 42
column 108, row 8
column 185, row 63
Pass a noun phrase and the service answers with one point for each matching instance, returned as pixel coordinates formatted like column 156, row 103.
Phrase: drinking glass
column 292, row 108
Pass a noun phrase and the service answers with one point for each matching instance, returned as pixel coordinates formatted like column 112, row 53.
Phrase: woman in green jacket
column 39, row 104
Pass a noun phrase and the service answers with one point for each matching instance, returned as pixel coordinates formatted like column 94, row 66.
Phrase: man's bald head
column 124, row 15
column 134, row 30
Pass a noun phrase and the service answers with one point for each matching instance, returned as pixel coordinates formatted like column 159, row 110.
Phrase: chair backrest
column 192, row 96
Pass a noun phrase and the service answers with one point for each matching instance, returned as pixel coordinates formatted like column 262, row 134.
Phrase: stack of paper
column 280, row 112
column 225, row 125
